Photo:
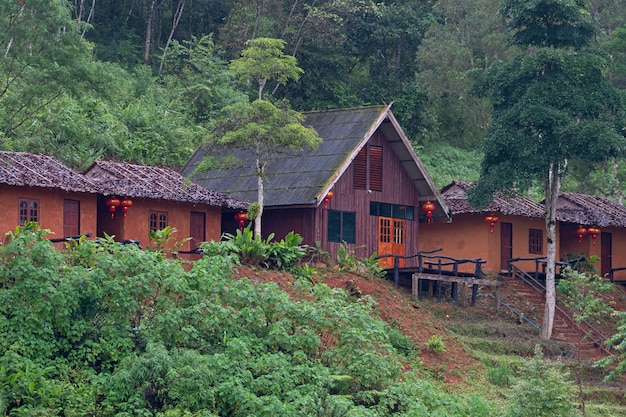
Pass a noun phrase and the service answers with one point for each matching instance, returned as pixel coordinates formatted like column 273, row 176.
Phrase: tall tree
column 41, row 58
column 261, row 128
column 551, row 105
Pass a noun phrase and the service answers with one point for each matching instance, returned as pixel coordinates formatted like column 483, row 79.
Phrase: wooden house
column 365, row 163
column 506, row 228
column 150, row 198
column 38, row 188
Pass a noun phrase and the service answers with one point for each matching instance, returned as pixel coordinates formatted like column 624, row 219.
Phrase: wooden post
column 454, row 294
column 474, row 293
column 396, row 271
column 439, row 291
column 463, row 295
column 419, row 288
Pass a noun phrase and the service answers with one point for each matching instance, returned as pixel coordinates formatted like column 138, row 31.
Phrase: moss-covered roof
column 304, row 178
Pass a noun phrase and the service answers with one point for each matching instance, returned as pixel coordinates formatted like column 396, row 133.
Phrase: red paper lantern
column 428, row 208
column 241, row 218
column 593, row 232
column 580, row 232
column 113, row 203
column 126, row 204
column 492, row 219
column 327, row 199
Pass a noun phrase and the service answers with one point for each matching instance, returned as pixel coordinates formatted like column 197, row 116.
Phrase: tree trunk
column 175, row 21
column 552, row 188
column 260, row 197
column 148, row 40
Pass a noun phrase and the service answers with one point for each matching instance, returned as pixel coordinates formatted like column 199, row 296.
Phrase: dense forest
column 144, row 80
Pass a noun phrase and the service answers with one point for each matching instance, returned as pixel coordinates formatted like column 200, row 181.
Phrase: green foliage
column 162, row 237
column 107, row 329
column 499, row 374
column 436, row 343
column 543, row 389
column 582, row 292
column 250, row 248
column 618, row 342
column 253, row 210
column 549, row 23
column 285, row 253
column 446, row 163
column 263, row 60
column 348, row 262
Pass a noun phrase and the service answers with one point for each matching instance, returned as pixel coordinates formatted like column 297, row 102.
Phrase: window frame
column 394, row 211
column 160, row 221
column 535, row 241
column 28, row 216
column 343, row 221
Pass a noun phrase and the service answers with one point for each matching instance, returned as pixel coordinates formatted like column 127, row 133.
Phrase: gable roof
column 590, row 210
column 304, row 178
column 151, row 182
column 30, row 170
column 455, row 195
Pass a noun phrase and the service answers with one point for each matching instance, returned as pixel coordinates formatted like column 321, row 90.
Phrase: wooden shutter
column 376, row 168
column 360, row 169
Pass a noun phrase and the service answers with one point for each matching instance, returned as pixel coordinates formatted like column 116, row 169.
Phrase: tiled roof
column 455, row 195
column 131, row 180
column 30, row 170
column 590, row 210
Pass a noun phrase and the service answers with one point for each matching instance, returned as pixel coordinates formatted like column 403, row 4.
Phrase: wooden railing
column 612, row 272
column 69, row 238
column 586, row 328
column 440, row 268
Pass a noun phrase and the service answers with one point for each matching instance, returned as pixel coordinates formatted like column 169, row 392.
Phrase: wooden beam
column 460, row 280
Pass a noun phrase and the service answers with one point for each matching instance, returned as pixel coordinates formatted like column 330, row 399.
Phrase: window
column 29, row 210
column 535, row 241
column 158, row 220
column 392, row 210
column 341, row 226
column 368, row 169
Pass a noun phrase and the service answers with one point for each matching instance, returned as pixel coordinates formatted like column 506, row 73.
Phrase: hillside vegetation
column 105, row 329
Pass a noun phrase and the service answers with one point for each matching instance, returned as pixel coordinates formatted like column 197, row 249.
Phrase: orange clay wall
column 469, row 236
column 50, row 209
column 136, row 224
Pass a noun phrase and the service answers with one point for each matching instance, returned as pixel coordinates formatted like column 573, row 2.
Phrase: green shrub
column 287, row 252
column 436, row 344
column 499, row 374
column 251, row 249
column 543, row 389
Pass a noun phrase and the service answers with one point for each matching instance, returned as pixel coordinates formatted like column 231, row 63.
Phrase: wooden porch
column 432, row 271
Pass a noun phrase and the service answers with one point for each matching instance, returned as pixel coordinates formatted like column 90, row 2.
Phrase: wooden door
column 506, row 245
column 391, row 240
column 197, row 228
column 606, row 253
column 399, row 239
column 71, row 217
